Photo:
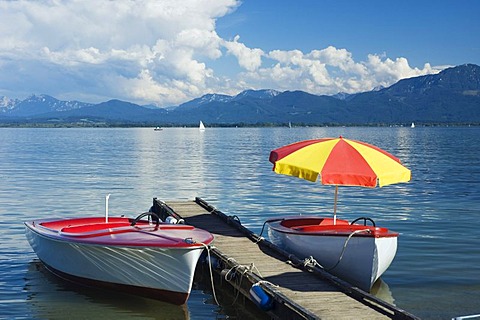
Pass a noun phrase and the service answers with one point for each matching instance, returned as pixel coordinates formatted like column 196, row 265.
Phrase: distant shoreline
column 218, row 125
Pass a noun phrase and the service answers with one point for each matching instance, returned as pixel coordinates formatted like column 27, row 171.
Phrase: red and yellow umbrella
column 339, row 161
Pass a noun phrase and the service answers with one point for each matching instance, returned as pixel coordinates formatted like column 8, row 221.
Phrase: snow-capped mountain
column 223, row 98
column 257, row 94
column 37, row 104
column 6, row 104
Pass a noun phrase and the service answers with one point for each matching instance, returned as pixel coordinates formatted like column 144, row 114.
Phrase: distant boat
column 413, row 125
column 289, row 124
column 201, row 127
column 158, row 129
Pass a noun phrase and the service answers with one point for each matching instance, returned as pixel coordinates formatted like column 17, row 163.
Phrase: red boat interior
column 95, row 224
column 302, row 222
column 324, row 226
column 125, row 231
column 89, row 223
column 85, row 227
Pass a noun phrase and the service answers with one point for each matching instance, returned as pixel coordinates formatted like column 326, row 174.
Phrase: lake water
column 67, row 172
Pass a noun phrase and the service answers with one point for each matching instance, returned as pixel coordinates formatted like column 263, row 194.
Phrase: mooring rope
column 312, row 262
column 253, row 266
column 345, row 247
column 259, row 239
column 211, row 272
column 272, row 220
column 238, row 282
column 241, row 269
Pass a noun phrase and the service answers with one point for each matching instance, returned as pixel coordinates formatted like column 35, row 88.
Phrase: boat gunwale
column 338, row 230
column 83, row 238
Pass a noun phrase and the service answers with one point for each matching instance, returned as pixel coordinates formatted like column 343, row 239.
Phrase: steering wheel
column 152, row 214
column 364, row 221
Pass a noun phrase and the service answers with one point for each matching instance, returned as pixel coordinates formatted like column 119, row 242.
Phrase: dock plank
column 321, row 298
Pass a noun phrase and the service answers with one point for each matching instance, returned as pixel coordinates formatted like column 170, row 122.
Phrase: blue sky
column 436, row 32
column 168, row 52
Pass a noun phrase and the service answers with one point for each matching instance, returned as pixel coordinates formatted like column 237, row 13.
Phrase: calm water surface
column 68, row 172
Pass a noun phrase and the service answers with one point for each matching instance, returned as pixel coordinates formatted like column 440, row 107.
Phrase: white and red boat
column 356, row 253
column 155, row 260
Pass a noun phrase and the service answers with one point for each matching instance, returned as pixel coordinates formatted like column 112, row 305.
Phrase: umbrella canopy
column 339, row 161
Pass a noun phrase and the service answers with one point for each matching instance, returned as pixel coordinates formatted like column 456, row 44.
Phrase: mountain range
column 449, row 97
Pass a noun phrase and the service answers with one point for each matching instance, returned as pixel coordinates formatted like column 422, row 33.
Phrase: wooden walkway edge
column 298, row 291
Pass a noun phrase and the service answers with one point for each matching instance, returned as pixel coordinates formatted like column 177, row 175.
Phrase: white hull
column 165, row 272
column 363, row 261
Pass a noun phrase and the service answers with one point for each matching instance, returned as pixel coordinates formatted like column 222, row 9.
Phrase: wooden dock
column 297, row 291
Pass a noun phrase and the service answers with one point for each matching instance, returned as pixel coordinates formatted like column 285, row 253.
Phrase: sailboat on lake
column 202, row 126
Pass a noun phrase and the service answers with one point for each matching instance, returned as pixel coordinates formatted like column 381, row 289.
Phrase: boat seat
column 305, row 222
column 329, row 221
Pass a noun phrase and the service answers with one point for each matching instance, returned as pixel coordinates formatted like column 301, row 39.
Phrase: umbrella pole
column 335, row 206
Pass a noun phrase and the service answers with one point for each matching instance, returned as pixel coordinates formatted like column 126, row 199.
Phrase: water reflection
column 49, row 297
column 173, row 161
column 381, row 290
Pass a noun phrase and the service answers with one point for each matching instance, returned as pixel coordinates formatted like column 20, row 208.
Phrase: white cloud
column 163, row 45
column 149, row 51
column 145, row 88
column 390, row 71
column 250, row 59
column 331, row 70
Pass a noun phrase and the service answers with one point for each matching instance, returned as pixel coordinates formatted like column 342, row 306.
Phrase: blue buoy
column 260, row 297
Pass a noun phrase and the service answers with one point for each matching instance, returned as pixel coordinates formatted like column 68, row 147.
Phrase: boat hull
column 351, row 253
column 156, row 271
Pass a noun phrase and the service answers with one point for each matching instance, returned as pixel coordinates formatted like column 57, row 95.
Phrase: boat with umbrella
column 358, row 251
column 141, row 256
